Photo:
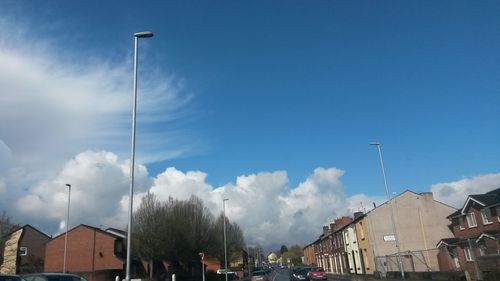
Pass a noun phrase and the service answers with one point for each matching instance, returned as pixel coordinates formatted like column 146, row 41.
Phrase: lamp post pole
column 145, row 34
column 67, row 225
column 225, row 246
column 396, row 237
column 202, row 257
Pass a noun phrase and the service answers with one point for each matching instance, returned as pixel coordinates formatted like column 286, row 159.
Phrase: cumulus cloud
column 454, row 193
column 263, row 204
column 99, row 184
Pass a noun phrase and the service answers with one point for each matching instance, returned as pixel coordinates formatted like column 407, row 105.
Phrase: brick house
column 329, row 249
column 365, row 253
column 308, row 252
column 93, row 253
column 475, row 247
column 24, row 251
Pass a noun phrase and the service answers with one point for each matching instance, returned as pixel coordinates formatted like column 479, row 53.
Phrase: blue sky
column 296, row 85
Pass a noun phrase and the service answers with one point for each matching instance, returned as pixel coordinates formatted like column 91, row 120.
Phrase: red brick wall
column 89, row 250
column 309, row 258
column 475, row 231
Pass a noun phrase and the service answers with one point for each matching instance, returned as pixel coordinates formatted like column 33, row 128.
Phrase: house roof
column 26, row 226
column 486, row 199
column 489, row 198
column 117, row 232
column 447, row 242
column 91, row 227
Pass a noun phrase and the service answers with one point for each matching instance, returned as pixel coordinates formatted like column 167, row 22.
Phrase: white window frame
column 471, row 220
column 23, row 251
column 484, row 215
column 468, row 254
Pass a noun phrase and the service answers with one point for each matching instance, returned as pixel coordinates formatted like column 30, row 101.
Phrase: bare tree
column 234, row 239
column 177, row 230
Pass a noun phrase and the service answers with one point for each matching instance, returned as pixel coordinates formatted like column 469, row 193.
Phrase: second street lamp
column 225, row 246
column 67, row 225
column 396, row 238
column 145, row 34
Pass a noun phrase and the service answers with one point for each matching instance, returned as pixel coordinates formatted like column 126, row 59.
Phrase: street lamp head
column 68, row 185
column 143, row 34
column 374, row 143
column 225, row 199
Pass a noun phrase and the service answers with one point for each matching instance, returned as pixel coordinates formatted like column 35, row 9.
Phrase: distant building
column 272, row 258
column 474, row 247
column 308, row 252
column 24, row 251
column 95, row 254
column 329, row 249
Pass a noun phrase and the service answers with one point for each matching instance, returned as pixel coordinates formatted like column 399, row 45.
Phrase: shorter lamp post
column 225, row 245
column 67, row 225
column 202, row 255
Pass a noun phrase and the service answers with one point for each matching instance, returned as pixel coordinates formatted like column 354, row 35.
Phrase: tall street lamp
column 396, row 238
column 144, row 34
column 225, row 246
column 67, row 225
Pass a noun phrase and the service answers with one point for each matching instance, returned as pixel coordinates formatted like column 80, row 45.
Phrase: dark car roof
column 49, row 274
column 7, row 277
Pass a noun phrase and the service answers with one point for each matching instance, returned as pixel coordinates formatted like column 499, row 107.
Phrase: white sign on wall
column 388, row 238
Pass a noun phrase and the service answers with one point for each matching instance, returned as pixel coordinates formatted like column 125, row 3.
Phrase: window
column 486, row 215
column 23, row 251
column 498, row 212
column 468, row 254
column 461, row 222
column 471, row 220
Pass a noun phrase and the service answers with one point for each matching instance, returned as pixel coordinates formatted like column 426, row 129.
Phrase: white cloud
column 55, row 104
column 99, row 184
column 263, row 204
column 454, row 193
column 363, row 202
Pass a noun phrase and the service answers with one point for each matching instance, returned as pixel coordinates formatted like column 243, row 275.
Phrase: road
column 279, row 275
column 283, row 275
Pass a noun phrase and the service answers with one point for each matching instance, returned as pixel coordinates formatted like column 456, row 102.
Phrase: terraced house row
column 414, row 233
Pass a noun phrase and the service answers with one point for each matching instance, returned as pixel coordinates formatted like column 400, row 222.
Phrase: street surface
column 284, row 275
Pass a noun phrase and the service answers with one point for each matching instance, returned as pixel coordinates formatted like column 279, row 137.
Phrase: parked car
column 299, row 273
column 6, row 277
column 259, row 275
column 316, row 273
column 52, row 277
